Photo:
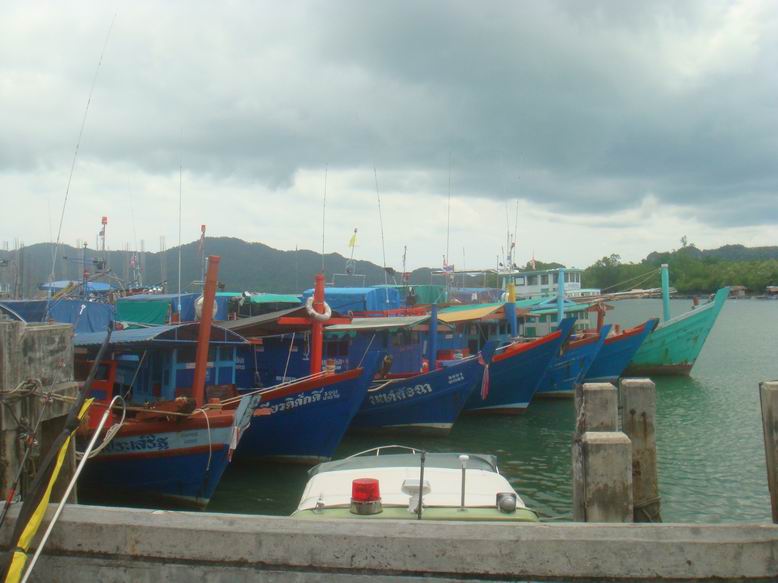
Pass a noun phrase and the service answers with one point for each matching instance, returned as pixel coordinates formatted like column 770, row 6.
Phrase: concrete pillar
column 768, row 395
column 596, row 407
column 602, row 458
column 638, row 399
column 602, row 477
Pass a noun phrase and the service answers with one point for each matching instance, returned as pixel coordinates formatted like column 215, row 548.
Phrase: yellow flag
column 353, row 241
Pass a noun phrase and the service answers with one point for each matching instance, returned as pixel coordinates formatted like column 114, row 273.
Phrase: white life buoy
column 316, row 315
column 199, row 308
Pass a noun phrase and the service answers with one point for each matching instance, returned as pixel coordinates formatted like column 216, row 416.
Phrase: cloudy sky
column 590, row 127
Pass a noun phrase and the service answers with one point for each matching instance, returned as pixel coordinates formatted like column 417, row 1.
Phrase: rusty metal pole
column 204, row 335
column 317, row 327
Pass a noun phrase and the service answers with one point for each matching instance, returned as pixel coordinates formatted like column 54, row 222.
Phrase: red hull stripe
column 626, row 334
column 519, row 348
column 311, row 385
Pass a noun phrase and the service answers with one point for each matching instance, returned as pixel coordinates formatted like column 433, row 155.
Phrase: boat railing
column 377, row 450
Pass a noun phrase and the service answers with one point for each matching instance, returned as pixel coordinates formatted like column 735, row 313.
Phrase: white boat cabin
column 530, row 284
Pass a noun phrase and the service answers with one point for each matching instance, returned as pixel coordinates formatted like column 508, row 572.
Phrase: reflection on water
column 711, row 459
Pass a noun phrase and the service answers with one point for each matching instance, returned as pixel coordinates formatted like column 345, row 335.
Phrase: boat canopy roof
column 447, row 460
column 388, row 323
column 466, row 313
column 181, row 334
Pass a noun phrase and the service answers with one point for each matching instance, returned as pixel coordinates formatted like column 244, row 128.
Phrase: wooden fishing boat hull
column 674, row 345
column 307, row 422
column 179, row 461
column 515, row 373
column 425, row 403
column 568, row 369
column 617, row 352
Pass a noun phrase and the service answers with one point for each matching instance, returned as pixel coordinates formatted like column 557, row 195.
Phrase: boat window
column 532, row 280
column 544, row 279
column 520, row 280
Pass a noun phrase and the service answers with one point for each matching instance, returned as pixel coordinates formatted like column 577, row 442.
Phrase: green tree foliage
column 691, row 271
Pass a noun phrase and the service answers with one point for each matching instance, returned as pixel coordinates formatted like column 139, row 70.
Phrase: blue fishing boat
column 616, row 353
column 304, row 421
column 569, row 368
column 427, row 403
column 182, row 419
column 169, row 455
column 515, row 372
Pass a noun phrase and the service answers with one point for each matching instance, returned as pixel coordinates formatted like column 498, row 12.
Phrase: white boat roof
column 333, row 488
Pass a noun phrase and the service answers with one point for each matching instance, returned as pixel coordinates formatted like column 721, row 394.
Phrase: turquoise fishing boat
column 673, row 347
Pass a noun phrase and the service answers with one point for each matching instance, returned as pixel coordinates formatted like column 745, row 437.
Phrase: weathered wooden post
column 638, row 400
column 768, row 395
column 602, row 458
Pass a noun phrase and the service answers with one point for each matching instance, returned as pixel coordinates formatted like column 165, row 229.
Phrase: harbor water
column 711, row 457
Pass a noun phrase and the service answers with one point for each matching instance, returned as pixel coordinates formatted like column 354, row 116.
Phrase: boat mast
column 204, row 334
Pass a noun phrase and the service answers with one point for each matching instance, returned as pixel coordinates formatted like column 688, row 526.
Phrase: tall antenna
column 448, row 212
column 323, row 215
column 381, row 221
column 180, row 205
column 73, row 164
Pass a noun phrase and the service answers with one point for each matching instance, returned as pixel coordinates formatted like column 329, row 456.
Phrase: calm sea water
column 711, row 458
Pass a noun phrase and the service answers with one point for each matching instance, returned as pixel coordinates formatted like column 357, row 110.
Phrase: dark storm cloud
column 581, row 107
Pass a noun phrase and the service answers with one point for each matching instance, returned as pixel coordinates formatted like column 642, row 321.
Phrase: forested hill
column 692, row 270
column 258, row 267
column 244, row 266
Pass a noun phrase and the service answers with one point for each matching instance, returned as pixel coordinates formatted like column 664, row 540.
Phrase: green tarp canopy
column 143, row 311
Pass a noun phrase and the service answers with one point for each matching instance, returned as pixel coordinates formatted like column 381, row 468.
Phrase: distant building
column 737, row 291
column 772, row 290
column 530, row 284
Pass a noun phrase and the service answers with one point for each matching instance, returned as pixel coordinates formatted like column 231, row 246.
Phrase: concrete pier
column 36, row 364
column 768, row 395
column 596, row 407
column 638, row 400
column 601, row 458
column 602, row 478
column 131, row 545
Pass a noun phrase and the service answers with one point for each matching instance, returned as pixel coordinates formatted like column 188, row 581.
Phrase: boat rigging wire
column 644, row 277
column 381, row 223
column 75, row 158
column 323, row 215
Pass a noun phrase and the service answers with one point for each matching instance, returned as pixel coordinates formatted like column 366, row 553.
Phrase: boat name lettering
column 400, row 394
column 302, row 399
column 456, row 378
column 141, row 443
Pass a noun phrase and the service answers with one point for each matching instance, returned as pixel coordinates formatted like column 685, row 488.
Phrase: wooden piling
column 638, row 399
column 768, row 395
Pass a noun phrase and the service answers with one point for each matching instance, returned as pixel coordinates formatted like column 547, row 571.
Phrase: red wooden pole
column 317, row 327
column 204, row 334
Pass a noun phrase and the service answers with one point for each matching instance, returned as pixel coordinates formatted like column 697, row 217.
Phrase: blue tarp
column 94, row 317
column 359, row 299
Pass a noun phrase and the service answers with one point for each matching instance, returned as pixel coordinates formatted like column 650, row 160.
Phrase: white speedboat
column 413, row 485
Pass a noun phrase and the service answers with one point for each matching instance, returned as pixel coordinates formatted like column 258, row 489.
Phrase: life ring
column 316, row 315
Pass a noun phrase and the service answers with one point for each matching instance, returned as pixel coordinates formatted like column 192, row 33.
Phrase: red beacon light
column 365, row 496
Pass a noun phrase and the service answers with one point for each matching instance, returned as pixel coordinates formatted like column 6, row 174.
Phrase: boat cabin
column 157, row 363
column 545, row 282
